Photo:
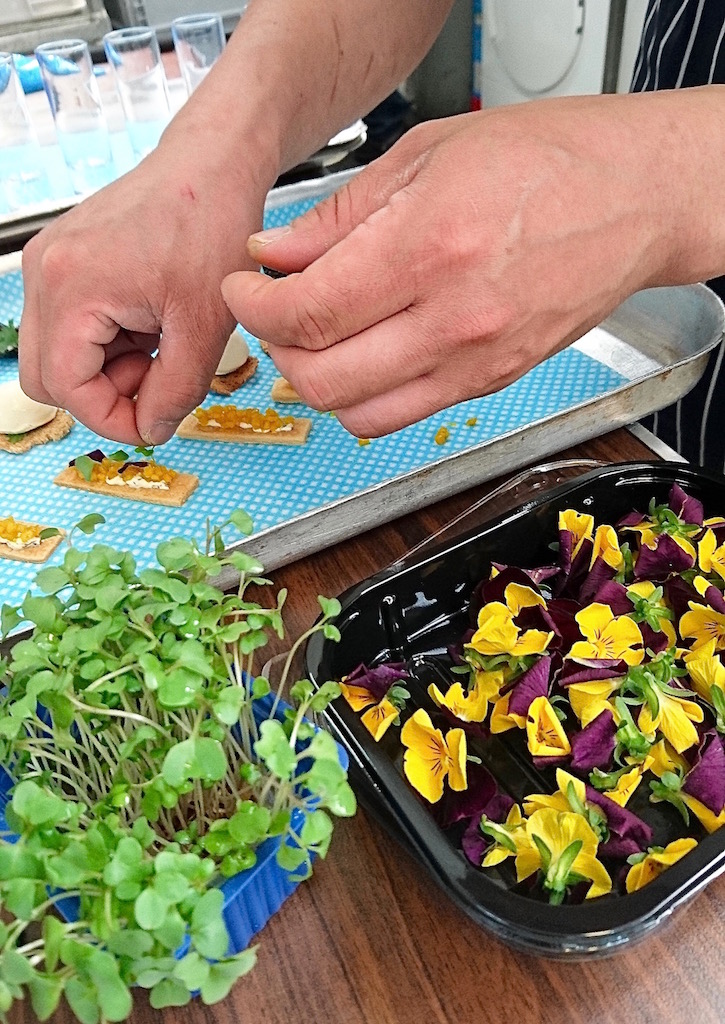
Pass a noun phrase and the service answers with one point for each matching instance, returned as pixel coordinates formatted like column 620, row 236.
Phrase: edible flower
column 593, row 747
column 381, row 687
column 606, row 547
column 620, row 785
column 504, row 835
column 563, row 847
column 589, row 700
column 378, row 719
column 579, row 525
column 430, row 756
column 607, row 636
column 707, row 673
column 704, row 624
column 711, row 555
column 650, row 865
column 545, row 733
column 497, row 632
column 471, row 705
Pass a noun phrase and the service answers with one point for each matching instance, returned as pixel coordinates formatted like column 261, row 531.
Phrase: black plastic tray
column 411, row 612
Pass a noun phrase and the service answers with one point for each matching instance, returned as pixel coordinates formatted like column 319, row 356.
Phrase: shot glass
column 198, row 41
column 23, row 181
column 135, row 59
column 80, row 124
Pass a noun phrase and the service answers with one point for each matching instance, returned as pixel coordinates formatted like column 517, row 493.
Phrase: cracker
column 264, row 345
column 282, row 391
column 229, row 383
column 56, row 430
column 191, row 430
column 38, row 553
column 181, row 487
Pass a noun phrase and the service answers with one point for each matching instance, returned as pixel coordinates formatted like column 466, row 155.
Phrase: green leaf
column 9, row 619
column 177, row 590
column 45, row 995
column 192, row 970
column 331, row 607
column 15, row 969
column 113, row 996
column 172, row 931
column 208, row 931
column 176, row 554
column 88, row 524
column 290, row 857
column 274, row 750
column 331, row 632
column 224, row 974
column 81, row 997
column 196, row 758
column 8, row 338
column 52, row 579
column 250, row 824
column 131, row 942
column 38, row 807
column 317, row 832
column 243, row 522
column 149, row 909
column 40, row 610
column 169, row 992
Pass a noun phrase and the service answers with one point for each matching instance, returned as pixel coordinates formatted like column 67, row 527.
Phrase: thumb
column 293, row 247
column 178, row 379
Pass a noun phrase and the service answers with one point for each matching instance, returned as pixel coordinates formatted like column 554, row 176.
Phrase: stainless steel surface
column 85, row 20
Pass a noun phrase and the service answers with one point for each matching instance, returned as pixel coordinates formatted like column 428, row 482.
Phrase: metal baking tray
column 657, row 342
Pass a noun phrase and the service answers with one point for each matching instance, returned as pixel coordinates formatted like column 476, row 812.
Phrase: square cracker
column 38, row 553
column 57, row 429
column 181, row 487
column 192, row 430
column 229, row 383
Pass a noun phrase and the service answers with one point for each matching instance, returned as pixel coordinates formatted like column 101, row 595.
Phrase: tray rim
column 563, row 931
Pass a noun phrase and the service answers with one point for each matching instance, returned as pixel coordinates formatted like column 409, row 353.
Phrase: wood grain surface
column 372, row 940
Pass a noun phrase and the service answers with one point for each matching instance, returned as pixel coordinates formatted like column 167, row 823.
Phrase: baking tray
column 652, row 349
column 410, row 612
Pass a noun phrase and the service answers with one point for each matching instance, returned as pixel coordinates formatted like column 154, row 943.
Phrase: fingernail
column 272, row 235
column 160, row 432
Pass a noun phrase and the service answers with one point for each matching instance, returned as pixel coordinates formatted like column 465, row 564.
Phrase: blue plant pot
column 251, row 897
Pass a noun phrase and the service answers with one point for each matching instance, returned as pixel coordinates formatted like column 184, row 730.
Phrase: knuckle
column 55, row 264
column 317, row 318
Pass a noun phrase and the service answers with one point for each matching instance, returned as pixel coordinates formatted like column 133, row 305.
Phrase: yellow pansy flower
column 704, row 624
column 356, row 696
column 645, row 589
column 559, row 800
column 471, row 705
column 710, row 821
column 628, row 783
column 378, row 719
column 544, row 732
column 430, row 757
column 663, row 758
column 518, row 597
column 705, row 670
column 674, row 720
column 501, row 719
column 607, row 636
column 606, row 546
column 579, row 524
column 505, row 837
column 561, row 844
column 588, row 700
column 655, row 861
column 710, row 556
column 497, row 633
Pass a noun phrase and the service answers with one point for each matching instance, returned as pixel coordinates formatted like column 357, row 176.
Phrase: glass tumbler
column 135, row 59
column 23, row 181
column 80, row 124
column 198, row 41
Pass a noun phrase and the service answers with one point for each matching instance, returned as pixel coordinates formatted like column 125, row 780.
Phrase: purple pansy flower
column 706, row 779
column 594, row 745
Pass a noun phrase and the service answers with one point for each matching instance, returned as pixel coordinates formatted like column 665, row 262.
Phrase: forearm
column 297, row 71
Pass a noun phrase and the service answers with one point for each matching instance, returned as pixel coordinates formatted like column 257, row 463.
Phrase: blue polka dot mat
column 275, row 484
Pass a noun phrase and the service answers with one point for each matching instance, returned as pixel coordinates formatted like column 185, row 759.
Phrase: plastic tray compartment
column 410, row 612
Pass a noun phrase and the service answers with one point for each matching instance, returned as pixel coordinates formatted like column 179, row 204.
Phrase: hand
column 478, row 246
column 135, row 268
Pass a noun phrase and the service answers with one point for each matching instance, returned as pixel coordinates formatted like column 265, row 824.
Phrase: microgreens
column 8, row 339
column 150, row 761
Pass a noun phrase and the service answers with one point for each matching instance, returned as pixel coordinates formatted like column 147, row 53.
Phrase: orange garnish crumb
column 472, row 421
column 231, row 417
column 362, row 441
column 442, row 435
column 11, row 531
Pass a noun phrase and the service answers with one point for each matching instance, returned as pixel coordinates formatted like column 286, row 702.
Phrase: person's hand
column 478, row 246
column 135, row 268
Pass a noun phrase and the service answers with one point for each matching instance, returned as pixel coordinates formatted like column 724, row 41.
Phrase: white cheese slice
column 235, row 354
column 18, row 413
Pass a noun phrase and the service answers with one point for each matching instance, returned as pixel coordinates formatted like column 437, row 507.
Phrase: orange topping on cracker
column 13, row 532
column 230, row 417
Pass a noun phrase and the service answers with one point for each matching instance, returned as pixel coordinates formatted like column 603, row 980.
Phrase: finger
column 295, row 246
column 374, row 362
column 398, row 408
column 127, row 371
column 373, row 273
column 178, row 377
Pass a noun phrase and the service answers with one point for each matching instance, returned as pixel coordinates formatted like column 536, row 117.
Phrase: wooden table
column 370, row 939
